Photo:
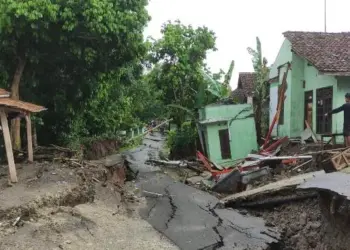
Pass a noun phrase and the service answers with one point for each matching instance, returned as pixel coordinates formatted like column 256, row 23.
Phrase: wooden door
column 225, row 144
column 324, row 100
column 308, row 107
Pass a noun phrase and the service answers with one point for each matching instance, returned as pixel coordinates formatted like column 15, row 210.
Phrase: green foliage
column 179, row 69
column 228, row 75
column 83, row 62
column 261, row 89
column 181, row 142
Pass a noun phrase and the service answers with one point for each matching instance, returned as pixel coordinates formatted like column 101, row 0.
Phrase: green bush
column 182, row 142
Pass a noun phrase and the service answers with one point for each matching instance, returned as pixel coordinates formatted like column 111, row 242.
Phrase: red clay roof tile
column 328, row 52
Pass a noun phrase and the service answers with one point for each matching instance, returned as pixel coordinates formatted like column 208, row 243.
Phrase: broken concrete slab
column 229, row 183
column 336, row 182
column 292, row 182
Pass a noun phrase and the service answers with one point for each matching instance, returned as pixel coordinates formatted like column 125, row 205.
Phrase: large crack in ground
column 220, row 242
column 172, row 205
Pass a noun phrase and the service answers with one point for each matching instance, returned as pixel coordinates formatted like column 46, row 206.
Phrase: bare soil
column 305, row 227
column 56, row 206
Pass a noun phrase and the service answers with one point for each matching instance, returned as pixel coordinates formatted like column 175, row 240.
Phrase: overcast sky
column 237, row 23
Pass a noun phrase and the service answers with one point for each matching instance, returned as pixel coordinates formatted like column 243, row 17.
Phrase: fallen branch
column 62, row 148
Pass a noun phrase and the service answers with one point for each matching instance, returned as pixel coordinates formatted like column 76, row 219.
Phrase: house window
column 225, row 144
column 281, row 118
column 324, row 100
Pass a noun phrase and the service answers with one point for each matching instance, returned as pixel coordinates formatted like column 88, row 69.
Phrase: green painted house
column 317, row 82
column 227, row 131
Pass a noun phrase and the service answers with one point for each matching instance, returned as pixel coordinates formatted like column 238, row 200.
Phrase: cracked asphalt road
column 190, row 217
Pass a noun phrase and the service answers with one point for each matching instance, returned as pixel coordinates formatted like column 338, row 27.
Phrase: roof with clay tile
column 328, row 52
column 245, row 86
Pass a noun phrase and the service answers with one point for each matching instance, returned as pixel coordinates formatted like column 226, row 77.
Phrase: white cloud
column 237, row 23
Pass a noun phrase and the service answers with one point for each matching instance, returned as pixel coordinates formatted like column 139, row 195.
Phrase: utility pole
column 325, row 15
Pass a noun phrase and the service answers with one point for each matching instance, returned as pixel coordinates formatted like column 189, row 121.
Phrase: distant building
column 245, row 87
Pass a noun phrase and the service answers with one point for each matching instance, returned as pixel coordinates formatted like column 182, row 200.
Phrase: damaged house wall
column 302, row 79
column 276, row 72
column 241, row 131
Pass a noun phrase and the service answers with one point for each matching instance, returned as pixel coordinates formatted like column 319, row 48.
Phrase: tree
column 261, row 89
column 228, row 75
column 63, row 46
column 179, row 56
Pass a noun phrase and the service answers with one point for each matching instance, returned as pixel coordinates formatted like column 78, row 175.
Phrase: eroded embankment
column 306, row 222
column 90, row 212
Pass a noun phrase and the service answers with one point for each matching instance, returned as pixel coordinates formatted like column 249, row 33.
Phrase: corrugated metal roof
column 26, row 106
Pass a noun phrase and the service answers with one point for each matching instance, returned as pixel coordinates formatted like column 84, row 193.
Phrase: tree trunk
column 16, row 123
column 258, row 115
column 35, row 138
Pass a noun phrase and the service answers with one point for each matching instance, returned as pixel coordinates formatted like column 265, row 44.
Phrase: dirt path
column 57, row 207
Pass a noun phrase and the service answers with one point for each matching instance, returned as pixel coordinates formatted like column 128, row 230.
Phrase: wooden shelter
column 10, row 108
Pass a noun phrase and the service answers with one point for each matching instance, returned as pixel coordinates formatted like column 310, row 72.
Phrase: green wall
column 296, row 97
column 242, row 131
column 313, row 81
column 284, row 55
column 294, row 103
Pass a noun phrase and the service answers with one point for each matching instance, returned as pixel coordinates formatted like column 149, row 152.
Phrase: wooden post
column 29, row 138
column 8, row 146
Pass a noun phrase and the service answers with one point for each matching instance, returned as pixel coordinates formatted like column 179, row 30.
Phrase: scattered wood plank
column 8, row 146
column 302, row 165
column 341, row 160
column 295, row 157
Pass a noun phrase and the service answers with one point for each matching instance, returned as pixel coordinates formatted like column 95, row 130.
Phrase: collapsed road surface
column 191, row 218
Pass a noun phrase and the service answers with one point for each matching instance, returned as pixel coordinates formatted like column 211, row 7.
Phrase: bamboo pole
column 145, row 133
